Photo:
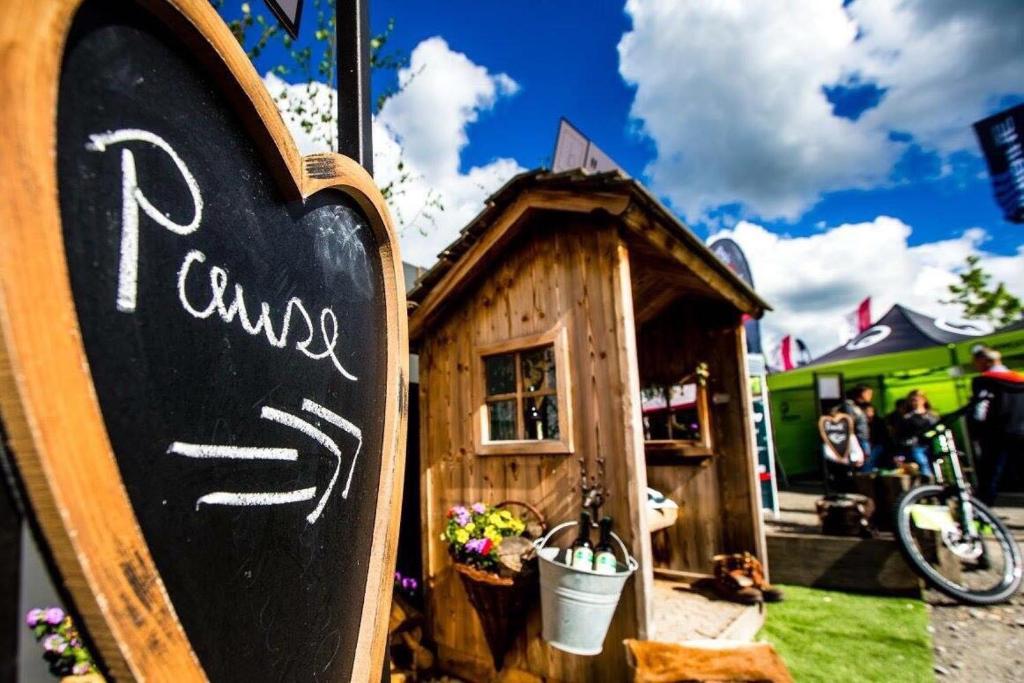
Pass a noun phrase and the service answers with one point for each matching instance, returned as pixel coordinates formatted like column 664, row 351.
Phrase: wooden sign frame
column 843, row 458
column 48, row 405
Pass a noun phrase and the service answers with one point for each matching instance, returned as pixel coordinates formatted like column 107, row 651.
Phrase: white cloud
column 813, row 282
column 944, row 62
column 425, row 127
column 731, row 91
column 443, row 91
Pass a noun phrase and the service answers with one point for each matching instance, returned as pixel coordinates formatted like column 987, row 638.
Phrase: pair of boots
column 740, row 577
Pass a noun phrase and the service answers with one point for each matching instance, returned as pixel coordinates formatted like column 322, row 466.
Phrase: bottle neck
column 584, row 530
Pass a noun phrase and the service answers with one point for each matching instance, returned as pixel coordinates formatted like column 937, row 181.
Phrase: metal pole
column 352, row 28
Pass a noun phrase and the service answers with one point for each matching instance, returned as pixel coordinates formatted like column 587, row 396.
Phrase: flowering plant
column 406, row 585
column 65, row 651
column 474, row 533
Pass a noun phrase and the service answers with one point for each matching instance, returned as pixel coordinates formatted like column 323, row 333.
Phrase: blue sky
column 776, row 128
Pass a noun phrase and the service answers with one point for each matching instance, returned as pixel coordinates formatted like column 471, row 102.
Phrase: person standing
column 856, row 400
column 918, row 419
column 881, row 440
column 996, row 420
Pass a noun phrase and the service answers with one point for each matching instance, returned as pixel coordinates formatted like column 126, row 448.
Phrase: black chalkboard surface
column 236, row 346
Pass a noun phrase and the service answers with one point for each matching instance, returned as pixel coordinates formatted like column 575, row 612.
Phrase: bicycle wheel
column 981, row 568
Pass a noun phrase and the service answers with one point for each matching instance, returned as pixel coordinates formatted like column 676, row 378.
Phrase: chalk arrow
column 289, row 420
column 202, row 450
column 255, row 499
column 342, row 424
column 261, row 498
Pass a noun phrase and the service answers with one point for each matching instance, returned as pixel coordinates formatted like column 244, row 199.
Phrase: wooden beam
column 652, row 303
column 639, row 222
column 636, row 463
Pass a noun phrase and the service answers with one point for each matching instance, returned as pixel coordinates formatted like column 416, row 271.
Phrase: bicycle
column 954, row 541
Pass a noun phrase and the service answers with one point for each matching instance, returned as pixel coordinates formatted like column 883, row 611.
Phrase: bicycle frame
column 944, row 449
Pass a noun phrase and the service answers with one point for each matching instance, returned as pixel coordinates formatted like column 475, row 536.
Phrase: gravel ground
column 977, row 643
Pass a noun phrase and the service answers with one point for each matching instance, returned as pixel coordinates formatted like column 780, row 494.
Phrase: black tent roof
column 902, row 329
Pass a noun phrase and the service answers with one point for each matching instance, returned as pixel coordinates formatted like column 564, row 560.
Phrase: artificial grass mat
column 831, row 636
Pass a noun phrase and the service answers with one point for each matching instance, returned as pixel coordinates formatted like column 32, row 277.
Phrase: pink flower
column 479, row 508
column 35, row 616
column 81, row 668
column 54, row 615
column 54, row 643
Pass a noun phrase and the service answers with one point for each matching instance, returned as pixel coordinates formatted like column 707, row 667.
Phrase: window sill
column 665, row 448
column 524, row 447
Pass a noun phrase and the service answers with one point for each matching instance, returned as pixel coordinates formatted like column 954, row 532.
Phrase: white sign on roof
column 574, row 150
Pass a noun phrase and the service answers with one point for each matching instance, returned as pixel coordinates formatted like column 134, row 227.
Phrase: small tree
column 980, row 300
column 314, row 63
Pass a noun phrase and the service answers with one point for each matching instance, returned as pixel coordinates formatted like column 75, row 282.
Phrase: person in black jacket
column 856, row 400
column 918, row 418
column 997, row 419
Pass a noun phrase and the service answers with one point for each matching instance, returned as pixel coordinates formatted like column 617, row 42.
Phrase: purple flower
column 480, row 546
column 54, row 615
column 410, row 584
column 81, row 668
column 461, row 515
column 54, row 643
column 398, row 577
column 34, row 616
column 479, row 508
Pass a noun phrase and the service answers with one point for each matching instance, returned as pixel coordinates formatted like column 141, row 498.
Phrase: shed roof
column 573, row 191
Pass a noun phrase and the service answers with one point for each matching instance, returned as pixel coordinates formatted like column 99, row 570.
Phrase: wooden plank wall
column 716, row 513
column 567, row 269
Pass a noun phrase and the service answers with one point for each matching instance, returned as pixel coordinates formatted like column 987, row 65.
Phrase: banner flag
column 856, row 322
column 1002, row 140
column 786, row 353
column 729, row 253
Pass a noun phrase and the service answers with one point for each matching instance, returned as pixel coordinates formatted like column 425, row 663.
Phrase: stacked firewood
column 409, row 657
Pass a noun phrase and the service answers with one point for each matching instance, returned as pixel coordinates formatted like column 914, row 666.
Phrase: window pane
column 670, row 412
column 655, row 411
column 540, row 417
column 538, row 368
column 501, row 374
column 502, row 418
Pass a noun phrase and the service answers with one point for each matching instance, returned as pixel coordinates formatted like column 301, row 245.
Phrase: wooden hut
column 590, row 279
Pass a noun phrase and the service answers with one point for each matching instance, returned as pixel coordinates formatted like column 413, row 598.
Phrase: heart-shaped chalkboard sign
column 837, row 434
column 204, row 348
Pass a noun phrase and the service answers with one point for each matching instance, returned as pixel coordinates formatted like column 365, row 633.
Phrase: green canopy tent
column 903, row 350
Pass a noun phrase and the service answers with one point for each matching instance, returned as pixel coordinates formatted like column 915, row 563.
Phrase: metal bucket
column 577, row 605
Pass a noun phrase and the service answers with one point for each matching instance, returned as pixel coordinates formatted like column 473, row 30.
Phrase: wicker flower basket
column 503, row 602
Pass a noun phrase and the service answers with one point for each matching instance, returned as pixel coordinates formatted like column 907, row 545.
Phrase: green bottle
column 582, row 548
column 604, row 554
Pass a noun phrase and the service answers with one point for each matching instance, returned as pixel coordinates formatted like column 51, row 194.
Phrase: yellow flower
column 461, row 535
column 470, row 527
